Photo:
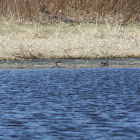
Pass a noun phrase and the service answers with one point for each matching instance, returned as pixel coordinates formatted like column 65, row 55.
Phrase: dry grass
column 23, row 33
column 122, row 11
column 88, row 41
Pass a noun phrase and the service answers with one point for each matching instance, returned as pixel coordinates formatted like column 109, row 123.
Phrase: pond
column 72, row 104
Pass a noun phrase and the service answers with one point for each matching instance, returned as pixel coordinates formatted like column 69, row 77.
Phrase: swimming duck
column 104, row 64
column 58, row 64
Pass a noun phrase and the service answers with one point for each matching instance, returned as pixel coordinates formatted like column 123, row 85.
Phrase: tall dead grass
column 20, row 41
column 123, row 11
column 86, row 41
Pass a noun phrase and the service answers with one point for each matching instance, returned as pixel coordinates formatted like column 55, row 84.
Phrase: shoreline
column 69, row 63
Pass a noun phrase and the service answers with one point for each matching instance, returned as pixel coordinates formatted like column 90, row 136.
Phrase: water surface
column 68, row 63
column 71, row 104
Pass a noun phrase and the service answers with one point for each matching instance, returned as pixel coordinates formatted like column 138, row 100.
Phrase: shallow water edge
column 69, row 63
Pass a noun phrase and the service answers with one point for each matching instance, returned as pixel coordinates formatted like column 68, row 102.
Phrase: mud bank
column 69, row 63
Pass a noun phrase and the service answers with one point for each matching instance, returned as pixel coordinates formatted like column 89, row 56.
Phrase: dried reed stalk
column 80, row 10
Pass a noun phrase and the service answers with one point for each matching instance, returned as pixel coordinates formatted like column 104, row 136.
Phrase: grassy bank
column 88, row 41
column 94, row 29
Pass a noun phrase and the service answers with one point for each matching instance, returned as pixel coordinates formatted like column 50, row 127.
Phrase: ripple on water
column 70, row 104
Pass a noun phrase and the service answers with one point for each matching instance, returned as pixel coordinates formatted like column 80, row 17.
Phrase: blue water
column 70, row 104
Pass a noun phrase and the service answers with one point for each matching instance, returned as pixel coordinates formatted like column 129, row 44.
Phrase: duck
column 104, row 64
column 58, row 64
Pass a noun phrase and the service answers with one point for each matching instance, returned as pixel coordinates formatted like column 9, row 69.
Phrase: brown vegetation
column 36, row 40
column 122, row 11
column 18, row 41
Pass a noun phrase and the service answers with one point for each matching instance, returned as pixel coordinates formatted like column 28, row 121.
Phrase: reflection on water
column 73, row 104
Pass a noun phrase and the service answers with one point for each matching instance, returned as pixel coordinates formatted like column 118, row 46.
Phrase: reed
column 100, row 32
column 80, row 10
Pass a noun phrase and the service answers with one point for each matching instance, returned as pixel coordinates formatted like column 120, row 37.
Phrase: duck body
column 104, row 64
column 58, row 64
